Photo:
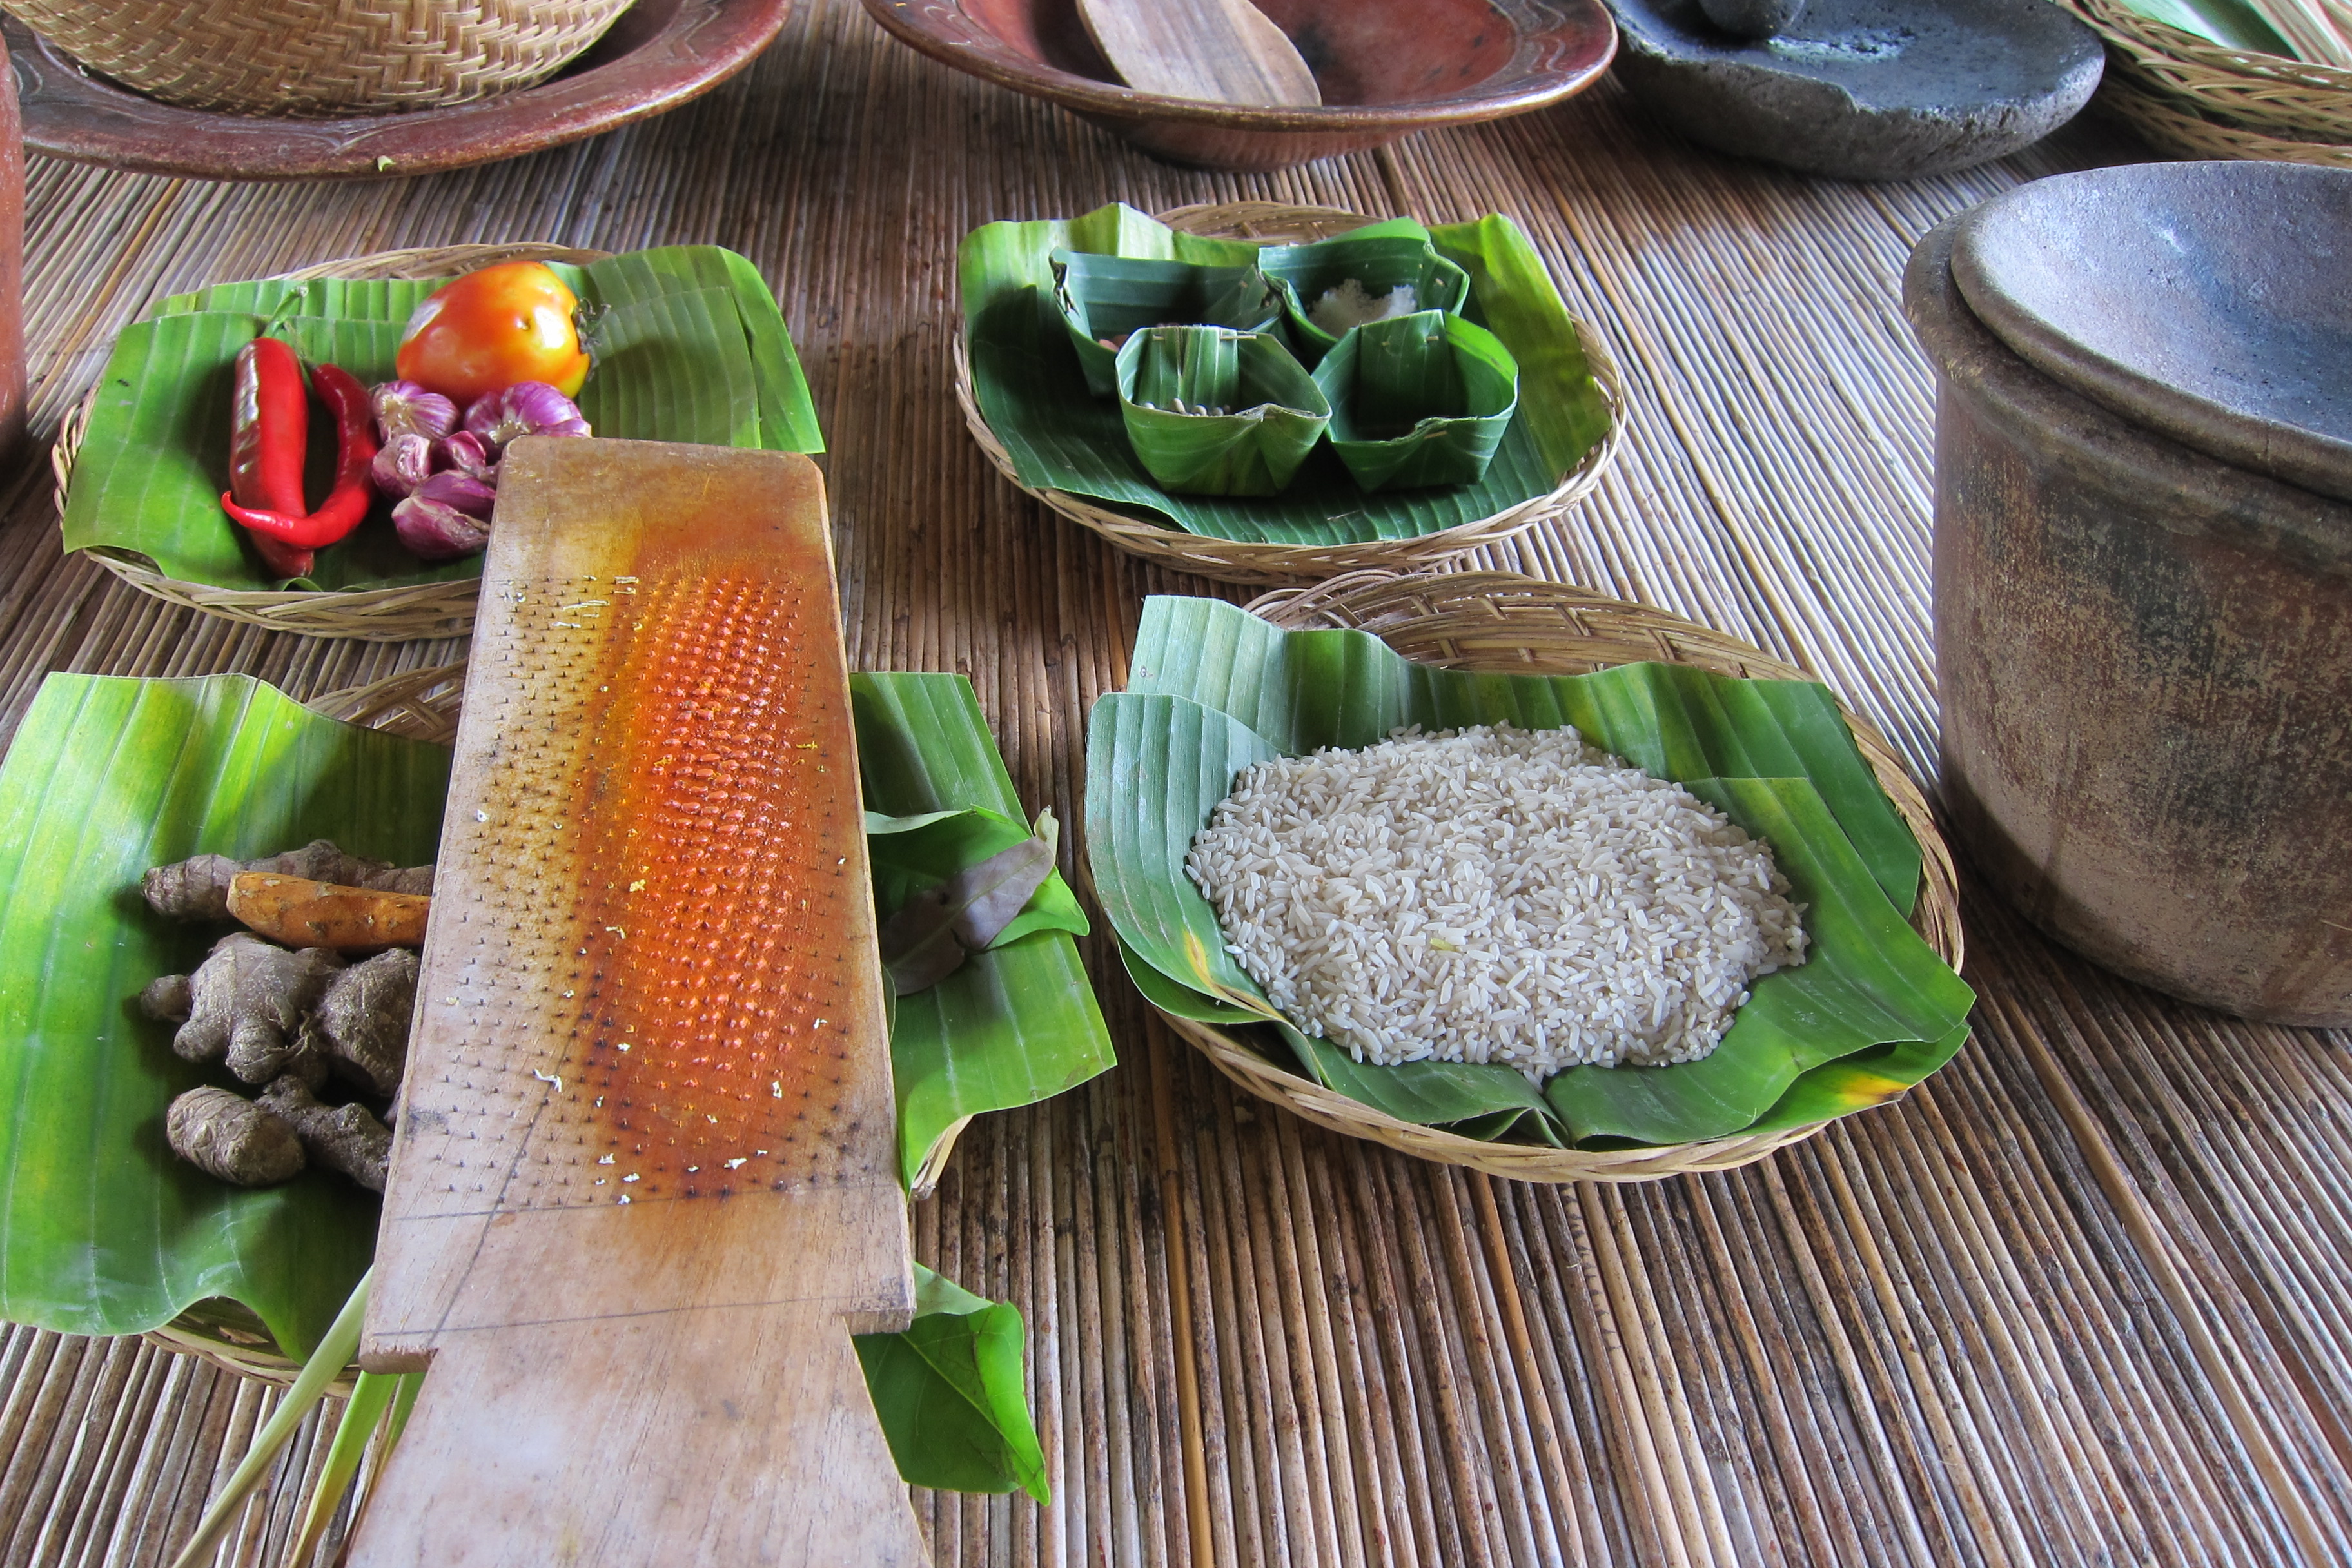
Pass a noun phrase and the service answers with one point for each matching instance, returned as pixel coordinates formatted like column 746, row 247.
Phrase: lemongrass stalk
column 333, row 1354
column 2316, row 34
column 361, row 1416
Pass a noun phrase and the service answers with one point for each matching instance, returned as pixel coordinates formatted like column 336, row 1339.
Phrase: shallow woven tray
column 320, row 56
column 1500, row 621
column 2198, row 100
column 368, row 614
column 1232, row 561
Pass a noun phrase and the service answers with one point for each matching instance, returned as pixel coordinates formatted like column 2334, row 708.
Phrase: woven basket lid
column 2210, row 302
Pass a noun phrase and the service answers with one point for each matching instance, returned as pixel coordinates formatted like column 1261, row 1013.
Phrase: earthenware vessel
column 1386, row 67
column 2144, row 650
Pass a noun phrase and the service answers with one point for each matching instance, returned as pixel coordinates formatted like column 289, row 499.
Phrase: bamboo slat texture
column 2082, row 1299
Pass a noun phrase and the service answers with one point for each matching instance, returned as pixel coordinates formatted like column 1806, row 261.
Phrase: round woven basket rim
column 337, row 60
column 1240, row 561
column 402, row 612
column 2164, row 124
column 1476, row 608
column 2292, row 103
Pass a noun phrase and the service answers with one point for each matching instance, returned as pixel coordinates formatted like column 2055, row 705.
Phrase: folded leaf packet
column 1212, row 412
column 1104, row 298
column 1419, row 400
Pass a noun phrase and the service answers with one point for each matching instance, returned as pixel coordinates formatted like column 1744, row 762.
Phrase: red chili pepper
column 347, row 504
column 269, row 427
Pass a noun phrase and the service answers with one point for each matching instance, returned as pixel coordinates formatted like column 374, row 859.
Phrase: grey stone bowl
column 2210, row 301
column 1864, row 89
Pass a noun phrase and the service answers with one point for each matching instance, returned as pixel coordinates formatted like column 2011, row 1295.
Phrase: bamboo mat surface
column 2084, row 1297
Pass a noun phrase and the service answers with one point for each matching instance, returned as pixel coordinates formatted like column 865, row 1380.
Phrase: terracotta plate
column 658, row 54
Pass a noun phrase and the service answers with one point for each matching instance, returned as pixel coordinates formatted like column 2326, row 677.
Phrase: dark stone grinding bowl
column 1386, row 67
column 1864, row 89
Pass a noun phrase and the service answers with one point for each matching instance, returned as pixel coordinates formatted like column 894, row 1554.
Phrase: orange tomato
column 491, row 329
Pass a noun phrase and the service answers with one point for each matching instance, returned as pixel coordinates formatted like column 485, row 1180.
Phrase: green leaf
column 692, row 348
column 927, row 937
column 2232, row 24
column 911, row 853
column 1379, row 257
column 1015, row 1025
column 1033, row 392
column 1868, row 980
column 1212, row 412
column 1213, row 689
column 1105, row 298
column 102, row 1230
column 1419, row 400
column 1513, row 295
column 951, row 1395
column 1859, row 1082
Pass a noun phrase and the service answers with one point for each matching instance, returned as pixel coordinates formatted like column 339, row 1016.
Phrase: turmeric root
column 344, row 1138
column 361, row 1024
column 246, row 1004
column 197, row 888
column 231, row 1137
column 304, row 913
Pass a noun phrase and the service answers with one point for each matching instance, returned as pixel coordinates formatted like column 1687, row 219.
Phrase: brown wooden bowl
column 1386, row 67
column 659, row 54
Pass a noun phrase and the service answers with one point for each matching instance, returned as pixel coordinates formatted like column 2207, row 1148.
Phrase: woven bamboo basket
column 322, row 58
column 368, row 614
column 1504, row 622
column 2198, row 100
column 1232, row 561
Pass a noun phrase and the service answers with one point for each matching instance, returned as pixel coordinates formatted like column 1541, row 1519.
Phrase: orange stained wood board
column 644, row 1182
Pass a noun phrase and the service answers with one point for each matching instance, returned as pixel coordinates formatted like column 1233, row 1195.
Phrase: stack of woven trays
column 318, row 58
column 2198, row 100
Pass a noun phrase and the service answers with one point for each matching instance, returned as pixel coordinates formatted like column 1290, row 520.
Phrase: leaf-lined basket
column 1022, row 396
column 101, row 1230
column 1212, row 688
column 690, row 346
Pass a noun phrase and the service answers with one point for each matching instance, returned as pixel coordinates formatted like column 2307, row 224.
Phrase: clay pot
column 2145, row 655
column 1385, row 68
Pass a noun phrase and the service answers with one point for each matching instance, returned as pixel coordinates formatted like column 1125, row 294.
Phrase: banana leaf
column 690, row 347
column 951, row 1395
column 1015, row 1025
column 1213, row 689
column 103, row 1230
column 1379, row 259
column 2232, row 24
column 1215, row 412
column 1104, row 298
column 1033, row 392
column 1419, row 400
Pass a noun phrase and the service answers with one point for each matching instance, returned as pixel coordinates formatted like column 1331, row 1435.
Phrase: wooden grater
column 644, row 1186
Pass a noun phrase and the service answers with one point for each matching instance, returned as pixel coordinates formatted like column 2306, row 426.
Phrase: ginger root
column 232, row 1138
column 247, row 1002
column 360, row 1024
column 303, row 913
column 346, row 1138
column 197, row 888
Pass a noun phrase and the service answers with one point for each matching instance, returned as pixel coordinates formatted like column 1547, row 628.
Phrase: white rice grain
column 1493, row 895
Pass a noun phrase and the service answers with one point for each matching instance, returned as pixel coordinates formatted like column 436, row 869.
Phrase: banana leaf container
column 1104, row 298
column 1377, row 262
column 1215, row 412
column 1419, row 400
